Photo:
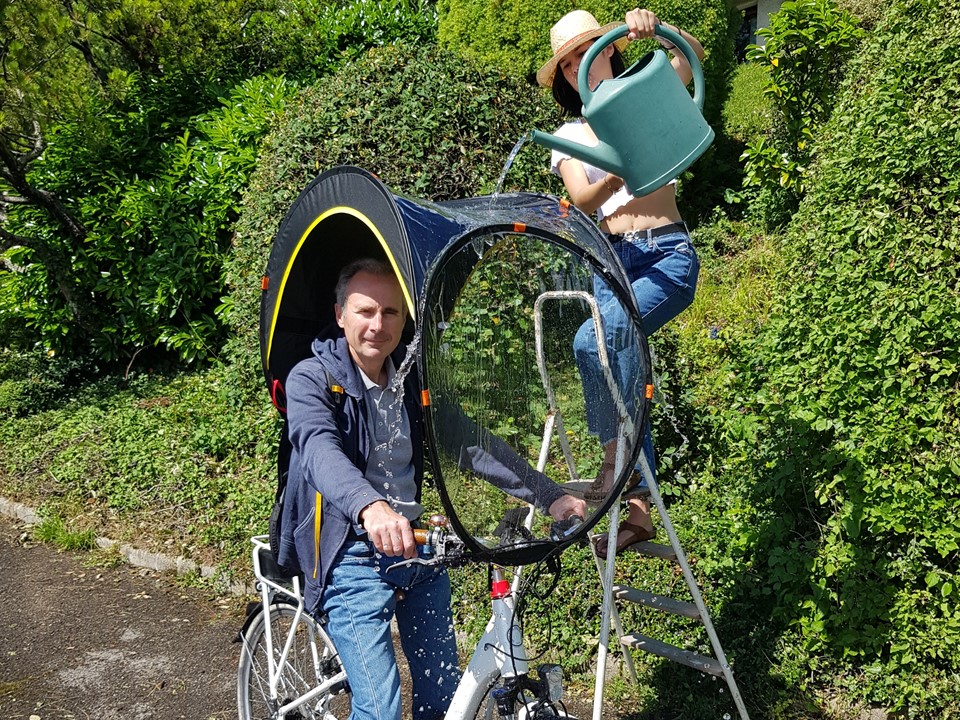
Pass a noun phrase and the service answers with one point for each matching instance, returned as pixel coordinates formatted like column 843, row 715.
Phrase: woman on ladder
column 647, row 233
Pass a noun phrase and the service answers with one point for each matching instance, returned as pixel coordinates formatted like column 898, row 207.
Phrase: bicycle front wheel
column 310, row 661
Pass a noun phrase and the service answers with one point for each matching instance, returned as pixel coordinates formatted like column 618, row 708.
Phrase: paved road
column 85, row 642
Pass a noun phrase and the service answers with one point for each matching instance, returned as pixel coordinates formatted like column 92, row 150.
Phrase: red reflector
column 499, row 589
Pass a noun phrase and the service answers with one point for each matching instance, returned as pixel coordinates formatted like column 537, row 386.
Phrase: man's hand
column 388, row 530
column 567, row 505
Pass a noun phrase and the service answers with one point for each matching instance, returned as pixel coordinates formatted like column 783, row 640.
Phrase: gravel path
column 78, row 641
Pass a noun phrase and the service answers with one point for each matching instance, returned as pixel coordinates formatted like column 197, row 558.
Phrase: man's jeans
column 663, row 272
column 360, row 601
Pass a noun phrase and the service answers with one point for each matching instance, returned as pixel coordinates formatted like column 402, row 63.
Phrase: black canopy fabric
column 471, row 272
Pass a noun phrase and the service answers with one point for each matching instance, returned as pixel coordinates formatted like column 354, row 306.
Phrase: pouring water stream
column 509, row 162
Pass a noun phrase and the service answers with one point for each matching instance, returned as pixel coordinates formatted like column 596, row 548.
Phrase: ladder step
column 650, row 549
column 658, row 602
column 697, row 661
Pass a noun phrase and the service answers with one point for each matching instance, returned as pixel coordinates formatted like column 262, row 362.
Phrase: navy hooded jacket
column 326, row 487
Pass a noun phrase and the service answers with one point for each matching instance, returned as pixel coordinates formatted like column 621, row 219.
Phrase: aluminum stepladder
column 716, row 665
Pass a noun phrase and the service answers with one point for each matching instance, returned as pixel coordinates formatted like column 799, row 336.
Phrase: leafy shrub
column 32, row 382
column 847, row 402
column 806, row 47
column 148, row 159
column 308, row 39
column 867, row 12
column 156, row 238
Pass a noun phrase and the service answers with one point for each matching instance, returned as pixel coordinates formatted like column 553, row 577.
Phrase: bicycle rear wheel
column 312, row 659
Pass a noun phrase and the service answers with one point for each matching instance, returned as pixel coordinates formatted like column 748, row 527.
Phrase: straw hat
column 569, row 33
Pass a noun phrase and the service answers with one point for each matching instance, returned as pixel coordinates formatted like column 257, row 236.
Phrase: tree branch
column 137, row 57
column 10, row 240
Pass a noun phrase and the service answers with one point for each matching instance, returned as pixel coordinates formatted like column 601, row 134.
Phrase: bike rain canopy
column 497, row 288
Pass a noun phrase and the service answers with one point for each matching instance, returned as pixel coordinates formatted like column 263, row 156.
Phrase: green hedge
column 847, row 404
column 178, row 464
column 514, row 35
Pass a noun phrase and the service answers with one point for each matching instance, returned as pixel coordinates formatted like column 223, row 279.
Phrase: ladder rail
column 609, row 613
column 693, row 587
column 626, row 428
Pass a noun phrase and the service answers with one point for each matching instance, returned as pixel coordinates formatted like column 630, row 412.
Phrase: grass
column 54, row 530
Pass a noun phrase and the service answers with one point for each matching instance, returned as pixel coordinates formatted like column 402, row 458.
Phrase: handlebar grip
column 421, row 536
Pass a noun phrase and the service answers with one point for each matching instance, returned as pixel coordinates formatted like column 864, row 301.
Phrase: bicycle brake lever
column 562, row 529
column 414, row 561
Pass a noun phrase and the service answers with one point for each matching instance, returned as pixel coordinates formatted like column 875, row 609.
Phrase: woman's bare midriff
column 650, row 211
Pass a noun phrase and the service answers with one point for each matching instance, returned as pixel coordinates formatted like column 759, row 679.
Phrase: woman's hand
column 613, row 183
column 641, row 23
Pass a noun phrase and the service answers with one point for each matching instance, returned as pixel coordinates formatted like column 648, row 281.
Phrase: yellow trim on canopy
column 303, row 238
column 317, row 522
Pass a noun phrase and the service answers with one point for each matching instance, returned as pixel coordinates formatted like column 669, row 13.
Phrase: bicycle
column 289, row 667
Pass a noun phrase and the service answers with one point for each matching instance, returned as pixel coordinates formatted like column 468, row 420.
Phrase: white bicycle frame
column 269, row 589
column 499, row 652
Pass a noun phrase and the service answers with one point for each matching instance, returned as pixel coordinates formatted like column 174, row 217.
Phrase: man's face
column 372, row 318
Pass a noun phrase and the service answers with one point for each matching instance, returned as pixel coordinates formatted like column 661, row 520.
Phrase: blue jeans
column 663, row 274
column 360, row 601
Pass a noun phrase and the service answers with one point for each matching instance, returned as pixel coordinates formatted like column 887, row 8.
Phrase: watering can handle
column 682, row 45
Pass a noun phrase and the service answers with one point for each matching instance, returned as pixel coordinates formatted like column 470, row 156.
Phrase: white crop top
column 574, row 131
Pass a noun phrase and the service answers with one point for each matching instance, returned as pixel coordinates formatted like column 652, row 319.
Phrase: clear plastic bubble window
column 517, row 417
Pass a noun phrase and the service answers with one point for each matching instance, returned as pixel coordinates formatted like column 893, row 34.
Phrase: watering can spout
column 649, row 128
column 601, row 155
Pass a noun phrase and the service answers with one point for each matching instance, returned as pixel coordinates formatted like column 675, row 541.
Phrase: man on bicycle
column 353, row 496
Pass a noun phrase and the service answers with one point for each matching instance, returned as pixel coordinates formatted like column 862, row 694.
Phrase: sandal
column 635, row 534
column 598, row 490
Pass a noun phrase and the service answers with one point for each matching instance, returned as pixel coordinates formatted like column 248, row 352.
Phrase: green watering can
column 650, row 129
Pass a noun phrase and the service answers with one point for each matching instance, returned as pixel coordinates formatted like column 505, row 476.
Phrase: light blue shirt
column 390, row 462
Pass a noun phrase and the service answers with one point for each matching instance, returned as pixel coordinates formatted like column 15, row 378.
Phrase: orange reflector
column 264, row 282
column 519, row 227
column 649, row 392
column 425, row 398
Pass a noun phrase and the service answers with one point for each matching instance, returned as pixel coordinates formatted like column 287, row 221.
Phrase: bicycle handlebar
column 421, row 536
